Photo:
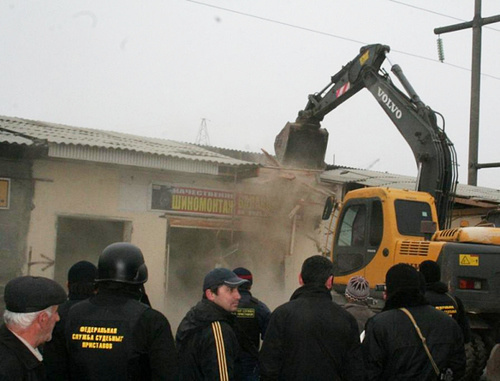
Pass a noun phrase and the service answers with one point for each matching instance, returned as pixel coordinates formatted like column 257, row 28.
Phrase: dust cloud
column 272, row 246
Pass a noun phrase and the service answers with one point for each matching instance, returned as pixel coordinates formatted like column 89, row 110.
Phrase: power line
column 425, row 10
column 436, row 13
column 336, row 35
column 276, row 22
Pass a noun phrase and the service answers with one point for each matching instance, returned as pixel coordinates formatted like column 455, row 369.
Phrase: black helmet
column 122, row 262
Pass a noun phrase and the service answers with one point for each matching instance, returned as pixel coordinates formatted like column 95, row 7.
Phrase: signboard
column 252, row 205
column 185, row 200
column 4, row 193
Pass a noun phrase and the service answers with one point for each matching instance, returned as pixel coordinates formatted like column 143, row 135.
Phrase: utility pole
column 476, row 24
column 202, row 138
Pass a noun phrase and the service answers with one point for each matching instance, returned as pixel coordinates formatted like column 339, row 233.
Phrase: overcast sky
column 158, row 67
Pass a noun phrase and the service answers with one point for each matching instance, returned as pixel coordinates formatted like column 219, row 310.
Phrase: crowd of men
column 107, row 330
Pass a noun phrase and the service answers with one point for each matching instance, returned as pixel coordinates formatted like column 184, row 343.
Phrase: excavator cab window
column 352, row 229
column 410, row 214
column 359, row 234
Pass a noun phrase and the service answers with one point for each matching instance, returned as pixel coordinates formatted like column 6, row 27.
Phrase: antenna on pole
column 202, row 138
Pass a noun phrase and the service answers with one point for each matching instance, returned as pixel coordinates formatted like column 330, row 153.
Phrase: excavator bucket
column 301, row 146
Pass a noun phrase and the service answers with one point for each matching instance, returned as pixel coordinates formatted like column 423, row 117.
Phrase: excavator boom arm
column 303, row 143
column 434, row 153
column 343, row 85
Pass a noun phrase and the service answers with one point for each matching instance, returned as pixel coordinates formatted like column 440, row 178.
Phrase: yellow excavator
column 379, row 227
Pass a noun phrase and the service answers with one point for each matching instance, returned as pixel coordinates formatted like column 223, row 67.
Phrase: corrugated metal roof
column 383, row 179
column 115, row 147
column 254, row 157
column 10, row 138
column 133, row 158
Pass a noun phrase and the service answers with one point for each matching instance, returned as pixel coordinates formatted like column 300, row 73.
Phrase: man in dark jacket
column 112, row 335
column 392, row 348
column 311, row 337
column 207, row 345
column 252, row 320
column 438, row 295
column 31, row 312
column 81, row 286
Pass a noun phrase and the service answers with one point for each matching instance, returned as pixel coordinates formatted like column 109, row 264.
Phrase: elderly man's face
column 47, row 324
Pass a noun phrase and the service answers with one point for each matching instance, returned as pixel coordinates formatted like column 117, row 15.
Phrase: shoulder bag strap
column 408, row 313
column 453, row 299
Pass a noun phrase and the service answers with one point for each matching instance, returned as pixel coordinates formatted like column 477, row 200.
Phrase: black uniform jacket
column 394, row 351
column 438, row 296
column 311, row 338
column 55, row 354
column 16, row 360
column 112, row 336
column 251, row 323
column 207, row 345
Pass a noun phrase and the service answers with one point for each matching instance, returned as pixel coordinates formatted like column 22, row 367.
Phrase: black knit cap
column 431, row 271
column 244, row 273
column 402, row 277
column 32, row 294
column 82, row 272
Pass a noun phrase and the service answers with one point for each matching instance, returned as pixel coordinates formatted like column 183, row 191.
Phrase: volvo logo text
column 389, row 103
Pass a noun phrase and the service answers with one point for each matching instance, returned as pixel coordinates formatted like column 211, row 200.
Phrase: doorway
column 83, row 239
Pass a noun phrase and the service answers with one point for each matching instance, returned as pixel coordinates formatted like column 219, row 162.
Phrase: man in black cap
column 392, row 347
column 438, row 295
column 252, row 320
column 112, row 335
column 81, row 285
column 30, row 315
column 311, row 337
column 208, row 347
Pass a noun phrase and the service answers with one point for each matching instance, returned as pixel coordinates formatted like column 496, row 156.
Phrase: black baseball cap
column 220, row 276
column 32, row 294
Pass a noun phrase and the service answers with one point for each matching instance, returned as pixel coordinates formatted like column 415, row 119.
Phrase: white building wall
column 99, row 191
column 87, row 190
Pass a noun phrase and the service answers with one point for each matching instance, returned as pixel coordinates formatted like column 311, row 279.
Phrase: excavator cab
column 301, row 145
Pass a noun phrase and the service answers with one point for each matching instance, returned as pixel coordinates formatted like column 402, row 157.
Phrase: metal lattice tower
column 202, row 138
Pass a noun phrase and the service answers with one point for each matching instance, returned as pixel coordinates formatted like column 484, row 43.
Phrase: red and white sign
column 343, row 89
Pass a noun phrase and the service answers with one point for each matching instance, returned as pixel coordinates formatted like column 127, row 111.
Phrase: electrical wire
column 437, row 13
column 276, row 21
column 336, row 35
column 426, row 10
